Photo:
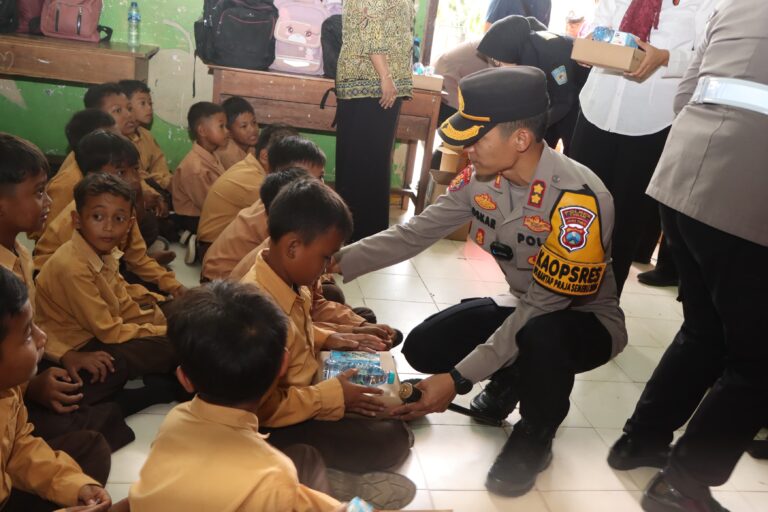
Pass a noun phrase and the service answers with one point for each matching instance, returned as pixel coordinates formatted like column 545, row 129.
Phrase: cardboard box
column 606, row 55
column 428, row 82
column 391, row 396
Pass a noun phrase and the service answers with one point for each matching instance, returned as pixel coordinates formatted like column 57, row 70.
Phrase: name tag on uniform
column 560, row 75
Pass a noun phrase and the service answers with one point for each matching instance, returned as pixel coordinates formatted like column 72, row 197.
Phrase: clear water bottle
column 134, row 20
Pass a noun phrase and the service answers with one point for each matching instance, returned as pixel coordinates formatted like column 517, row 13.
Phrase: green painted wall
column 39, row 111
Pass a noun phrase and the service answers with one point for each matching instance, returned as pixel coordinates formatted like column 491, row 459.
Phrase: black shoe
column 527, row 452
column 758, row 449
column 382, row 489
column 661, row 496
column 656, row 278
column 499, row 398
column 629, row 453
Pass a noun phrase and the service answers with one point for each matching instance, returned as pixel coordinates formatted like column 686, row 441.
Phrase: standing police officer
column 516, row 40
column 548, row 221
column 711, row 182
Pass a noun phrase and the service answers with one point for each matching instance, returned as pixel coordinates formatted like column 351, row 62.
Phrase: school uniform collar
column 8, row 258
column 283, row 294
column 229, row 416
column 208, row 157
column 94, row 260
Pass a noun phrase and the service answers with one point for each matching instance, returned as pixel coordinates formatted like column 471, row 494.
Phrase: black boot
column 527, row 452
column 657, row 277
column 632, row 452
column 758, row 449
column 499, row 397
column 662, row 496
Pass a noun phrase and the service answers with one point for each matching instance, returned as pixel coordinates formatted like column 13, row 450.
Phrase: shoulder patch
column 461, row 180
column 572, row 260
column 560, row 75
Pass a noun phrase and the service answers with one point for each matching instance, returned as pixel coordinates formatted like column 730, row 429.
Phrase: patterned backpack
column 298, row 46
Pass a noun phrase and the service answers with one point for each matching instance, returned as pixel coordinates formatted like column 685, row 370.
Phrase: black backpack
column 330, row 38
column 237, row 33
column 9, row 16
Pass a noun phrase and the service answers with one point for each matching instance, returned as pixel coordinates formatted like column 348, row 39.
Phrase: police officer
column 547, row 220
column 515, row 40
column 711, row 183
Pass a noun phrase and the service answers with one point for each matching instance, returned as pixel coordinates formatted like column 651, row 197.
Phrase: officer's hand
column 356, row 397
column 437, row 393
column 350, row 341
column 55, row 390
column 653, row 60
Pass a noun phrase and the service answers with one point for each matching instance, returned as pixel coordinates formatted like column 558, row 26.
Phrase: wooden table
column 49, row 58
column 295, row 100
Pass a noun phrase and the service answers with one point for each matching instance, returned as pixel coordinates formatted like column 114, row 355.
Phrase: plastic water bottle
column 134, row 20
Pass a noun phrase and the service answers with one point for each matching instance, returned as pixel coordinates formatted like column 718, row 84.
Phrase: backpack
column 29, row 15
column 298, row 48
column 331, row 37
column 9, row 18
column 74, row 19
column 237, row 33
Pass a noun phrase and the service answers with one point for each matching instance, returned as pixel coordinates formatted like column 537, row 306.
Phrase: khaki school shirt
column 21, row 265
column 236, row 189
column 296, row 398
column 209, row 457
column 28, row 463
column 61, row 188
column 81, row 296
column 152, row 159
column 246, row 232
column 133, row 246
column 193, row 178
column 232, row 153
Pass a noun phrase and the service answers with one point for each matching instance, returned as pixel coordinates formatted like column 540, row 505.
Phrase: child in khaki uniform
column 198, row 170
column 103, row 151
column 308, row 222
column 238, row 188
column 83, row 301
column 34, row 477
column 243, row 131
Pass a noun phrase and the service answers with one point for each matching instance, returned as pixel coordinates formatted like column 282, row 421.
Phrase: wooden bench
column 295, row 100
column 63, row 60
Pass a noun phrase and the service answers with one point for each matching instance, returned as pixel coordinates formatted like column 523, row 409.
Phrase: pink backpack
column 74, row 19
column 298, row 48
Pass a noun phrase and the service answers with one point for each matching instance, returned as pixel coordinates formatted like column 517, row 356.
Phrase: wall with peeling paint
column 39, row 111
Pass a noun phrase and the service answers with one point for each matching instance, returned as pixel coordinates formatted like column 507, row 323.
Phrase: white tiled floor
column 452, row 454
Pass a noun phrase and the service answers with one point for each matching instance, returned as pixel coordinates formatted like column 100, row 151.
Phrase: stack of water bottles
column 369, row 370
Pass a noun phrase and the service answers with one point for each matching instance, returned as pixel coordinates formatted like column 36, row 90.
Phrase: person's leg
column 20, row 501
column 310, row 466
column 649, row 238
column 566, row 127
column 350, row 444
column 89, row 449
column 665, row 273
column 596, row 149
column 725, row 422
column 553, row 348
column 688, row 368
column 445, row 338
column 365, row 138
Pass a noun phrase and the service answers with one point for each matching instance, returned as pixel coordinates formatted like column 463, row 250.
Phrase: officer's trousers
column 721, row 345
column 553, row 348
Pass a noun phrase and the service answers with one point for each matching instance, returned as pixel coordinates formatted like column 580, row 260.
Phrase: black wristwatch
column 462, row 384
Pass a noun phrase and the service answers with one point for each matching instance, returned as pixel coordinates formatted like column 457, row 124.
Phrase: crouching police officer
column 547, row 221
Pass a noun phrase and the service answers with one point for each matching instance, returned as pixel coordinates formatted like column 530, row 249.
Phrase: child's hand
column 55, row 390
column 333, row 267
column 94, row 496
column 382, row 331
column 178, row 292
column 356, row 397
column 350, row 341
column 99, row 364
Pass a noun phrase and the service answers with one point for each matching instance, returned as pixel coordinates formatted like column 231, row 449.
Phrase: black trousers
column 349, row 444
column 553, row 348
column 365, row 136
column 721, row 345
column 625, row 164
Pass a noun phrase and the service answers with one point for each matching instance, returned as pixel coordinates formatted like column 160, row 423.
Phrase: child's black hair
column 199, row 112
column 94, row 96
column 131, row 87
column 235, row 106
column 101, row 147
column 98, row 183
column 272, row 133
column 289, row 151
column 84, row 122
column 13, row 296
column 308, row 208
column 230, row 339
column 275, row 182
column 19, row 160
